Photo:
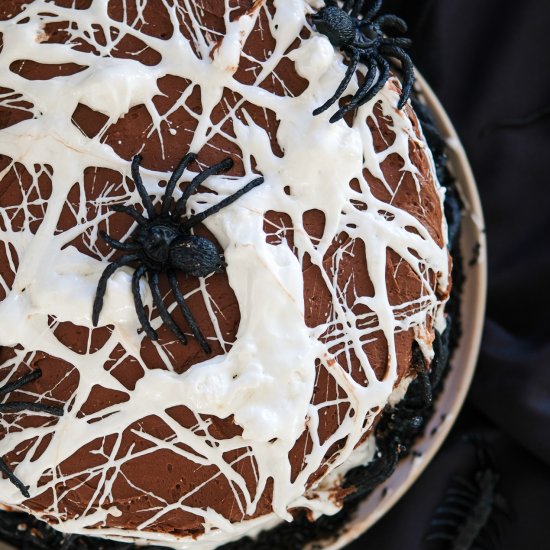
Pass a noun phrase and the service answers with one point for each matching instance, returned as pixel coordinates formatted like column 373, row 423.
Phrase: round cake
column 210, row 287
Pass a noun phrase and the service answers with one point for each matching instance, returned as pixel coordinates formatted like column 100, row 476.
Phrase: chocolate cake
column 333, row 284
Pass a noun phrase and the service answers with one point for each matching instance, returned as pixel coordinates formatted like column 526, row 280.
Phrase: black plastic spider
column 469, row 517
column 365, row 39
column 17, row 406
column 163, row 243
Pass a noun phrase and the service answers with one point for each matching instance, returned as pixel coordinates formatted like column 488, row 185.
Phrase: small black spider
column 468, row 519
column 365, row 39
column 163, row 243
column 17, row 406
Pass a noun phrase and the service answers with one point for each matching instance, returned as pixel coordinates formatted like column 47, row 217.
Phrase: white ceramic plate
column 464, row 360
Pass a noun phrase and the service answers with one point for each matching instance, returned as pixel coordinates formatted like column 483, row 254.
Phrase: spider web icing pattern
column 239, row 419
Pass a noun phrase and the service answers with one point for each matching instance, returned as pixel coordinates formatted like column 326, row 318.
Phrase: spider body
column 165, row 247
column 364, row 39
column 164, row 243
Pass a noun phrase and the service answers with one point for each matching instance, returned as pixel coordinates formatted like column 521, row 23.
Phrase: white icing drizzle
column 266, row 378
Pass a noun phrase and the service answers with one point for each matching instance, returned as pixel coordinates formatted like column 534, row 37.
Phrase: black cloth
column 488, row 61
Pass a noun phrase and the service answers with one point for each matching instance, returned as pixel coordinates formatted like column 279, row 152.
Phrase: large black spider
column 17, row 406
column 163, row 243
column 365, row 39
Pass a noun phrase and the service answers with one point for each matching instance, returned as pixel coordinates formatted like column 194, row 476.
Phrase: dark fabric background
column 489, row 63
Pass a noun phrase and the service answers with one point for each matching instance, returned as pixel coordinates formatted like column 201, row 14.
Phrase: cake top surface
column 335, row 264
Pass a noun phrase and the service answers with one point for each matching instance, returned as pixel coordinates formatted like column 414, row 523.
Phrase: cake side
column 347, row 234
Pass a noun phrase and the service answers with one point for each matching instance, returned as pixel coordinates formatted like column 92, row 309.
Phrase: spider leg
column 180, row 168
column 456, row 491
column 353, row 7
column 397, row 41
column 348, row 5
column 382, row 79
column 440, row 536
column 102, row 285
column 140, row 309
column 17, row 406
column 408, row 71
column 12, row 477
column 444, row 523
column 465, row 483
column 131, row 212
column 164, row 313
column 445, row 510
column 373, row 11
column 392, row 22
column 363, row 90
column 117, row 244
column 146, row 199
column 187, row 313
column 222, row 166
column 198, row 218
column 20, row 382
column 343, row 85
column 458, row 501
column 427, row 393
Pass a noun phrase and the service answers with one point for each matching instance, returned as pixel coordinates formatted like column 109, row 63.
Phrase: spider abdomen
column 196, row 256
